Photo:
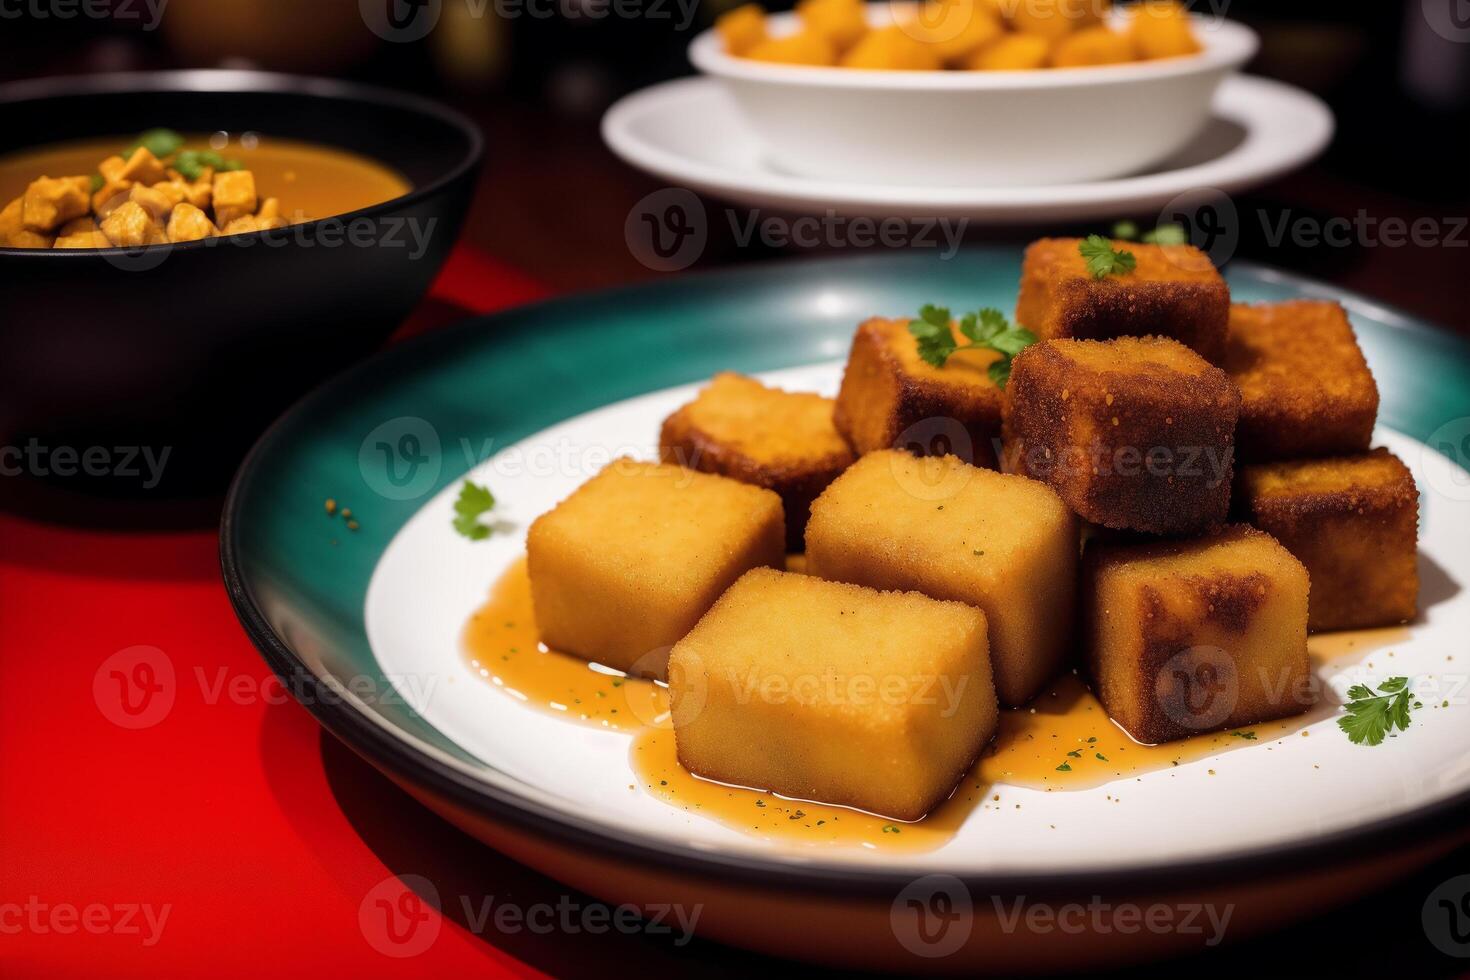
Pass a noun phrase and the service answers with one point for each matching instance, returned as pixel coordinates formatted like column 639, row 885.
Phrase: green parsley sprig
column 1103, row 260
column 1371, row 715
column 987, row 329
column 474, row 500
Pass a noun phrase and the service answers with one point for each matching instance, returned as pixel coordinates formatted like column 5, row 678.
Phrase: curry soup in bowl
column 277, row 229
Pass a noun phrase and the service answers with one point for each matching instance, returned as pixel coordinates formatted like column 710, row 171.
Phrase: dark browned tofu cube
column 1184, row 637
column 1305, row 388
column 1135, row 434
column 1173, row 291
column 1354, row 522
column 893, row 399
column 781, row 440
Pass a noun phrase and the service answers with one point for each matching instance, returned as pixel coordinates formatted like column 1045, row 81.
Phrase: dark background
column 553, row 202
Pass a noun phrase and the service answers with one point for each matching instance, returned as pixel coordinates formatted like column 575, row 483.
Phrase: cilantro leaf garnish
column 1372, row 716
column 1103, row 260
column 473, row 501
column 986, row 329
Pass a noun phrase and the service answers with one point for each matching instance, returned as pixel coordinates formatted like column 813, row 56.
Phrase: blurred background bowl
column 976, row 128
column 195, row 348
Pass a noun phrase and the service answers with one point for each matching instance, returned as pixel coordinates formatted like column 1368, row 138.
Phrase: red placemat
column 165, row 806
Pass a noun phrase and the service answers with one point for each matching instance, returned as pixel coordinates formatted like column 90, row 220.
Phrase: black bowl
column 193, row 349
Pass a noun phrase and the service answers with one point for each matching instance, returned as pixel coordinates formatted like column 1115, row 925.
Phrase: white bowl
column 976, row 128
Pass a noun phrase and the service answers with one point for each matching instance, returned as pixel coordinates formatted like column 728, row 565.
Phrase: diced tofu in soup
column 189, row 224
column 234, row 196
column 834, row 693
column 50, row 203
column 627, row 564
column 936, row 525
column 131, row 226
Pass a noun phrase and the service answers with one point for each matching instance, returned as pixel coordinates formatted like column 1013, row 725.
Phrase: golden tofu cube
column 742, row 28
column 892, row 48
column 802, row 48
column 954, row 28
column 628, row 563
column 841, row 22
column 1305, row 387
column 14, row 233
column 1184, row 637
column 784, row 441
column 234, row 196
column 1011, row 52
column 142, row 167
column 112, row 169
column 1053, row 19
column 936, row 525
column 132, row 226
column 1135, row 433
column 834, row 693
column 155, row 200
column 1173, row 291
column 81, row 233
column 893, row 399
column 189, row 224
column 51, row 202
column 110, row 196
column 1354, row 522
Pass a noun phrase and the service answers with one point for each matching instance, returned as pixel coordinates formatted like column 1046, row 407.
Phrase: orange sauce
column 1063, row 740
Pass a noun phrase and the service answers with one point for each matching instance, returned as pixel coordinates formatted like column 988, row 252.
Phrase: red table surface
column 233, row 832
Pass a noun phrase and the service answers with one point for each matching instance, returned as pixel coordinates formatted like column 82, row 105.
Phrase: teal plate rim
column 1436, row 350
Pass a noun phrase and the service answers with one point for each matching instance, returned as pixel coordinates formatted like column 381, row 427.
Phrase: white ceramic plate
column 429, row 581
column 690, row 133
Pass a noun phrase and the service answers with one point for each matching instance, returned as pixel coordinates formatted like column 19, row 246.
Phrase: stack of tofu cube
column 943, row 521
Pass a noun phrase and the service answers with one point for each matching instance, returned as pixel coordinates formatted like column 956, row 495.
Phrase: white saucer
column 690, row 133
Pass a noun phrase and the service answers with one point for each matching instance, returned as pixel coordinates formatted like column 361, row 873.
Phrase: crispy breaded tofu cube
column 935, row 524
column 153, row 200
column 742, row 28
column 234, row 196
column 1173, row 291
column 1305, row 387
column 189, row 224
column 14, row 233
column 51, row 202
column 142, row 167
column 130, row 225
column 1354, row 522
column 834, row 693
column 1162, row 29
column 784, row 441
column 1184, row 637
column 81, row 233
column 1135, row 434
column 892, row 398
column 628, row 563
column 842, row 22
column 110, row 196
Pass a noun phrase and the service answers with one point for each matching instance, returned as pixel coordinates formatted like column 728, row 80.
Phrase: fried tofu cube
column 142, row 167
column 1162, row 29
column 892, row 398
column 742, row 28
column 1354, row 523
column 234, row 196
column 955, row 29
column 1305, row 387
column 110, row 196
column 841, row 22
column 112, row 169
column 1173, row 291
column 155, row 200
column 130, row 225
column 189, row 224
column 1135, row 434
column 1092, row 46
column 784, row 441
column 803, row 48
column 892, row 48
column 1053, row 19
column 936, row 525
column 1011, row 52
column 51, row 202
column 627, row 564
column 14, row 233
column 81, row 233
column 1184, row 637
column 834, row 693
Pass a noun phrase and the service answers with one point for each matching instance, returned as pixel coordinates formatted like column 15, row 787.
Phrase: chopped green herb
column 1064, row 767
column 1248, row 736
column 192, row 163
column 1075, row 754
column 473, row 501
column 1169, row 233
column 1101, row 756
column 1371, row 715
column 1092, row 739
column 1126, row 231
column 889, row 828
column 987, row 329
column 97, row 183
column 1103, row 260
column 160, row 142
